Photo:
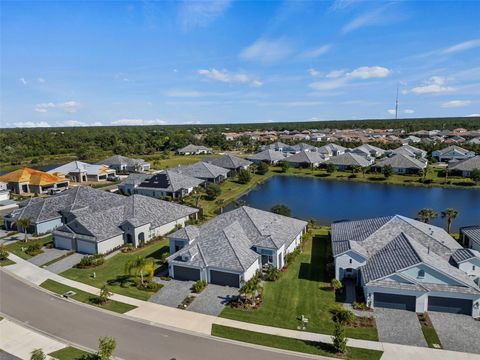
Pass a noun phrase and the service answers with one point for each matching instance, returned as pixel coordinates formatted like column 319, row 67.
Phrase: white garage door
column 86, row 247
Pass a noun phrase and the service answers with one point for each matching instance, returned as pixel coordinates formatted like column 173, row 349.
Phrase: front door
column 267, row 259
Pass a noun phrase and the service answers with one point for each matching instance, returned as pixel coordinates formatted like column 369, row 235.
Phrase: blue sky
column 140, row 62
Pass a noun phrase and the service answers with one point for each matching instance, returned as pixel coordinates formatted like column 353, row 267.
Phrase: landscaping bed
column 6, row 262
column 20, row 247
column 70, row 353
column 286, row 343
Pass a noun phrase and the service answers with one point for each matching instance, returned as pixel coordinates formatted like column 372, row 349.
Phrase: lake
column 327, row 201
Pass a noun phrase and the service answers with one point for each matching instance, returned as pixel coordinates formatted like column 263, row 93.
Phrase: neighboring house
column 48, row 213
column 230, row 162
column 408, row 150
column 474, row 141
column 306, row 159
column 401, row 164
column 30, row 181
column 194, row 150
column 452, row 152
column 368, row 151
column 468, row 260
column 470, row 237
column 123, row 163
column 279, row 146
column 164, row 183
column 302, row 147
column 4, row 192
column 80, row 172
column 269, row 156
column 204, row 171
column 412, row 139
column 403, row 263
column 331, row 150
column 463, row 168
column 348, row 160
column 229, row 249
column 135, row 220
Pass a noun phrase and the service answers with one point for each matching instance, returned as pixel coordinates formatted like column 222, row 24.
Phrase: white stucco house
column 452, row 152
column 406, row 264
column 123, row 163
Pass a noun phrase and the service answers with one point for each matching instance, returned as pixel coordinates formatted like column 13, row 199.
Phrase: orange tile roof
column 31, row 176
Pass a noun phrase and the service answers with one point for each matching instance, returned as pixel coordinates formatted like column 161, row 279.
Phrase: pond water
column 327, row 201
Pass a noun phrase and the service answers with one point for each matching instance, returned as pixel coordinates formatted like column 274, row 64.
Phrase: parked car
column 112, row 177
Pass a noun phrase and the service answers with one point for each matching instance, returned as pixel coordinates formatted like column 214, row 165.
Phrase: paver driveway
column 172, row 293
column 457, row 332
column 399, row 327
column 213, row 299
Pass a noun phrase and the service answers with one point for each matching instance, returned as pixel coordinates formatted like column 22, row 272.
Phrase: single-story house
column 307, row 159
column 4, row 192
column 474, row 141
column 348, row 160
column 368, row 150
column 204, row 171
column 194, row 150
column 452, row 152
column 409, row 150
column 331, row 150
column 269, row 156
column 468, row 260
column 412, row 139
column 298, row 148
column 470, row 237
column 48, row 213
column 164, row 183
column 229, row 249
column 135, row 220
column 30, row 181
column 405, row 264
column 230, row 162
column 279, row 146
column 80, row 172
column 464, row 167
column 123, row 163
column 402, row 164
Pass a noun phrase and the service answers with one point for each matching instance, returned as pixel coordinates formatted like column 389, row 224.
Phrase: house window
column 473, row 267
column 421, row 274
column 350, row 261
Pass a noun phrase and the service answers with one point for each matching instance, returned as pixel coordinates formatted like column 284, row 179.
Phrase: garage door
column 224, row 278
column 455, row 306
column 86, row 247
column 63, row 243
column 186, row 273
column 394, row 301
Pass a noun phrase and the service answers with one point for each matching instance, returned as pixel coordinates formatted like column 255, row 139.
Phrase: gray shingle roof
column 135, row 179
column 170, row 180
column 473, row 233
column 268, row 155
column 368, row 150
column 330, row 149
column 402, row 161
column 202, row 170
column 306, row 157
column 277, row 146
column 455, row 148
column 409, row 150
column 349, row 159
column 194, row 148
column 304, row 147
column 121, row 160
column 227, row 240
column 466, row 165
column 228, row 161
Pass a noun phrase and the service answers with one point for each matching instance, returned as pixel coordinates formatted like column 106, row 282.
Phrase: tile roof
column 402, row 161
column 268, row 155
column 461, row 255
column 31, row 176
column 473, row 233
column 79, row 166
column 349, row 159
column 306, row 157
column 464, row 165
column 368, row 149
column 170, row 180
column 228, row 161
column 454, row 148
column 202, row 170
column 408, row 150
column 121, row 160
column 194, row 148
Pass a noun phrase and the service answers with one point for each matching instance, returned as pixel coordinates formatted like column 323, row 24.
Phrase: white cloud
column 127, row 122
column 408, row 111
column 267, row 50
column 336, row 74
column 31, row 124
column 314, row 53
column 328, row 84
column 72, row 123
column 473, row 115
column 68, row 106
column 313, row 72
column 391, row 111
column 368, row 72
column 97, row 123
column 41, row 80
column 369, row 18
column 434, row 85
column 466, row 45
column 183, row 93
column 456, row 103
column 195, row 14
column 228, row 77
column 256, row 83
column 22, row 81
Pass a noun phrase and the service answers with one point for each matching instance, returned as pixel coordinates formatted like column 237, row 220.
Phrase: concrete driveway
column 65, row 263
column 213, row 299
column 399, row 327
column 457, row 332
column 172, row 293
column 46, row 256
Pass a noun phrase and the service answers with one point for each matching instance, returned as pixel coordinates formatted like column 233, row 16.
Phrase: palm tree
column 24, row 224
column 427, row 215
column 450, row 214
column 220, row 203
column 139, row 266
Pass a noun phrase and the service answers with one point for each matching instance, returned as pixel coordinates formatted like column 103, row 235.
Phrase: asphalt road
column 82, row 325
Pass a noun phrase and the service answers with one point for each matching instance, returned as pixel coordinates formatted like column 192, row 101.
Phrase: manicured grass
column 280, row 342
column 303, row 289
column 69, row 353
column 428, row 330
column 112, row 272
column 16, row 247
column 160, row 161
column 85, row 297
column 6, row 262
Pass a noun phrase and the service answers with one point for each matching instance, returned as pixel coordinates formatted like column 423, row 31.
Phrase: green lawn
column 301, row 290
column 280, row 342
column 86, row 297
column 428, row 330
column 6, row 262
column 16, row 247
column 69, row 353
column 112, row 272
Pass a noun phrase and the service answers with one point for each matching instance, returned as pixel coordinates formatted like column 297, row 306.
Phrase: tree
column 342, row 316
column 387, row 171
column 356, row 169
column 339, row 339
column 38, row 354
column 331, row 168
column 212, row 191
column 426, row 215
column 284, row 166
column 281, row 209
column 104, row 294
column 139, row 266
column 475, row 175
column 220, row 203
column 262, row 168
column 244, row 176
column 24, row 223
column 106, row 347
column 336, row 284
column 450, row 214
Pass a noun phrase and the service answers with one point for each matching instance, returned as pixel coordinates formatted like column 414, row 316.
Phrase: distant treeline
column 88, row 142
